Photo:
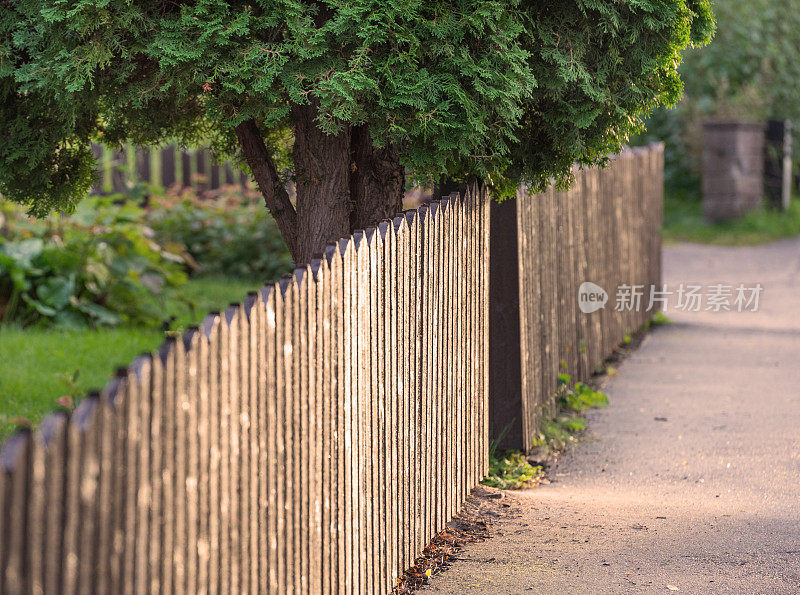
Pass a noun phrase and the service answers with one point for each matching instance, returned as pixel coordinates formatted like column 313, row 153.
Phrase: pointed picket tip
column 84, row 413
column 52, row 427
column 315, row 266
column 266, row 291
column 230, row 312
column 422, row 212
column 13, row 448
column 165, row 349
column 358, row 236
column 111, row 390
column 383, row 227
column 190, row 337
column 249, row 302
column 330, row 251
column 209, row 322
column 285, row 283
column 138, row 365
column 343, row 245
column 299, row 275
column 370, row 234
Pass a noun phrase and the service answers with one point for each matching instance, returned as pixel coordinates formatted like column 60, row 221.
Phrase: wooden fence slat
column 319, row 549
column 212, row 348
column 187, row 179
column 52, row 435
column 190, row 435
column 201, row 177
column 269, row 465
column 110, row 459
column 15, row 466
column 250, row 365
column 237, row 397
column 143, row 165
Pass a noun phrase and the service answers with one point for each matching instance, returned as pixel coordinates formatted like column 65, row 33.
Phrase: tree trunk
column 276, row 198
column 322, row 180
column 377, row 180
column 343, row 183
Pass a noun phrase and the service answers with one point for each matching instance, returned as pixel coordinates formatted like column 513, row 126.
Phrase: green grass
column 37, row 364
column 684, row 222
column 511, row 470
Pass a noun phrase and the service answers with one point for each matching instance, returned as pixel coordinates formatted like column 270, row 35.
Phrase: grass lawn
column 683, row 222
column 36, row 364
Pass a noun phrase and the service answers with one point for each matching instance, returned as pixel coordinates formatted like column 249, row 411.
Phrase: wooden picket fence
column 118, row 170
column 312, row 439
column 605, row 230
column 315, row 437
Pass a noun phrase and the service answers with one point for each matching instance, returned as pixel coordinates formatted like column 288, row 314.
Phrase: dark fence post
column 167, row 166
column 778, row 163
column 505, row 374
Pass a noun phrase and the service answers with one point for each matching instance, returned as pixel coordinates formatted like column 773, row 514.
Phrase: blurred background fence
column 165, row 166
column 315, row 437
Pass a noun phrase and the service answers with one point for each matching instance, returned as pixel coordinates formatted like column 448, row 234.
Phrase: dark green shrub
column 229, row 234
column 99, row 267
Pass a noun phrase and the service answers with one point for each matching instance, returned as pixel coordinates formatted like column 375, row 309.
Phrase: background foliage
column 99, row 267
column 228, row 234
column 750, row 71
column 118, row 259
column 499, row 90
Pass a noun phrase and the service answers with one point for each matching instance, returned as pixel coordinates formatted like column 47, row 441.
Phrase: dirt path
column 690, row 481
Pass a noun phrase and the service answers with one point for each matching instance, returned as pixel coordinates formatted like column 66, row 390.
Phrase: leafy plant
column 470, row 89
column 74, row 391
column 512, row 471
column 658, row 319
column 99, row 267
column 229, row 233
column 579, row 397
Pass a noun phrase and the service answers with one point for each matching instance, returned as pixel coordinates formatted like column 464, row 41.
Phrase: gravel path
column 690, row 481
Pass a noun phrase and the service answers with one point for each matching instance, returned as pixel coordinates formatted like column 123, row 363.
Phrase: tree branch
column 276, row 198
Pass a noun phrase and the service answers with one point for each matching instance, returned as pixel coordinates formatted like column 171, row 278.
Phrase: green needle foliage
column 500, row 91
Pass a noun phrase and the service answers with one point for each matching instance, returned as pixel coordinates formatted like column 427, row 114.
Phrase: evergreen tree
column 499, row 91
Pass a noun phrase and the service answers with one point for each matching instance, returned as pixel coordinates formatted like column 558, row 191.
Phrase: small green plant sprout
column 660, row 319
column 558, row 433
column 627, row 339
column 73, row 388
column 512, row 471
column 579, row 397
